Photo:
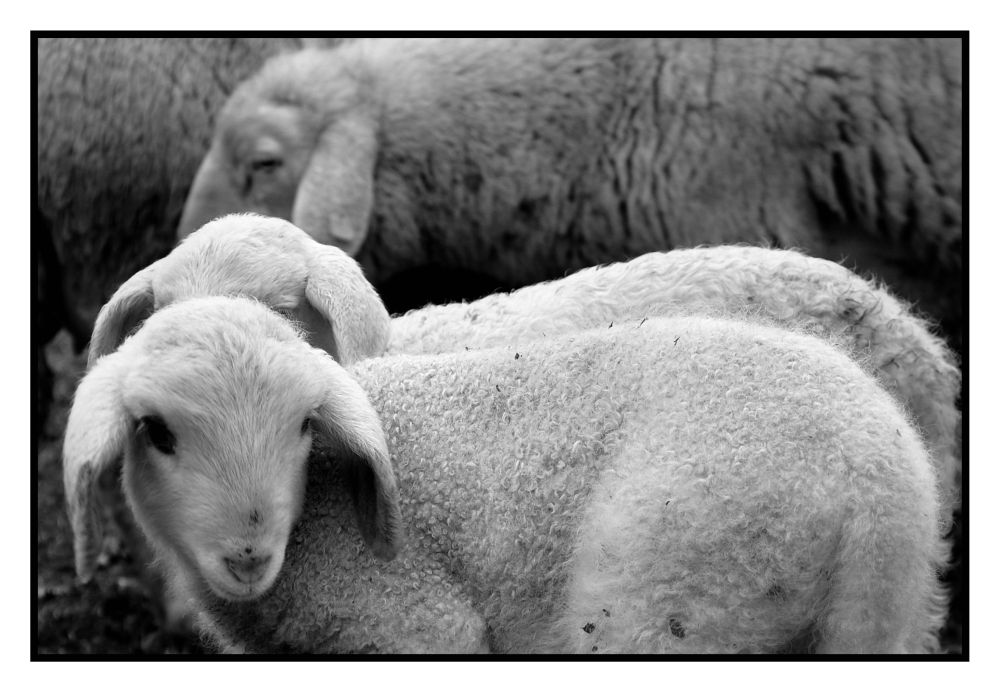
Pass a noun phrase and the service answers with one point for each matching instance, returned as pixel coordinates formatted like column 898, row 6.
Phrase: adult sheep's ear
column 337, row 288
column 130, row 305
column 334, row 199
column 95, row 439
column 350, row 427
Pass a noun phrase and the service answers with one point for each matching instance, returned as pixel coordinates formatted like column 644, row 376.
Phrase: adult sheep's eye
column 306, row 426
column 265, row 164
column 158, row 434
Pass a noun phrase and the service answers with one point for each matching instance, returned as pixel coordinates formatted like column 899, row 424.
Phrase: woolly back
column 782, row 288
column 720, row 422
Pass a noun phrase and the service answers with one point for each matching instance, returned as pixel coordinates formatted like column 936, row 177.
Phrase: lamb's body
column 779, row 287
column 685, row 486
column 581, row 151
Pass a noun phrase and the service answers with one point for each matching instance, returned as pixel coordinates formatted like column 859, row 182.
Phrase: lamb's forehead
column 219, row 350
column 217, row 324
column 237, row 255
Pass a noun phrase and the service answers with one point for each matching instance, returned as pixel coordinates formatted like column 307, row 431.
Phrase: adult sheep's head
column 296, row 141
column 269, row 259
column 215, row 404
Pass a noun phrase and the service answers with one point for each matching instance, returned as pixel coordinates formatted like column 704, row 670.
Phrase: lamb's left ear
column 350, row 426
column 334, row 199
column 337, row 288
column 95, row 439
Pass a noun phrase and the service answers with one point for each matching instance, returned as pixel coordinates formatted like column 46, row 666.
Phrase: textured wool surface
column 780, row 287
column 687, row 485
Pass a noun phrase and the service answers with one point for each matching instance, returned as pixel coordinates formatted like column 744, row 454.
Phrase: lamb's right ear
column 132, row 303
column 350, row 426
column 95, row 439
column 334, row 200
column 337, row 288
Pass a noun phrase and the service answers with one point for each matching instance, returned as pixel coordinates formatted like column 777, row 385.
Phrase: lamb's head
column 297, row 140
column 215, row 404
column 265, row 258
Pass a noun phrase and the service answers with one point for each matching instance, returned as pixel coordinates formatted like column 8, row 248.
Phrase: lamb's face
column 216, row 456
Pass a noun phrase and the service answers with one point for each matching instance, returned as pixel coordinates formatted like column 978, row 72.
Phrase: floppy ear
column 95, row 439
column 348, row 423
column 337, row 289
column 132, row 303
column 334, row 199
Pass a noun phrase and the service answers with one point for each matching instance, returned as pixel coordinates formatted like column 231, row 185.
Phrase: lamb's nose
column 248, row 569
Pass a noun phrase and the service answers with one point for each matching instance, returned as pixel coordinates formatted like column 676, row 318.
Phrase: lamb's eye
column 158, row 434
column 306, row 425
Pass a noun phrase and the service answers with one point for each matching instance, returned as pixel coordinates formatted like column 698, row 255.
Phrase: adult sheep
column 527, row 158
column 122, row 124
column 618, row 491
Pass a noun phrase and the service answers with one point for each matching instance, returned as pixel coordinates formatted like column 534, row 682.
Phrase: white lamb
column 684, row 485
column 274, row 261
